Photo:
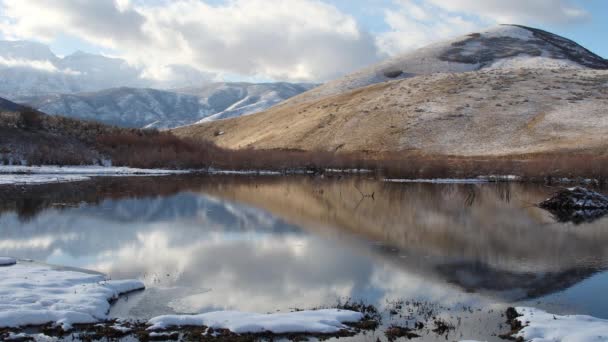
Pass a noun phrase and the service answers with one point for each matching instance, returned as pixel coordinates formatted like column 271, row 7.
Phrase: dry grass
column 485, row 113
column 56, row 140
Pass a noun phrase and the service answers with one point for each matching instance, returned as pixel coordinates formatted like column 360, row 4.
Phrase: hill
column 6, row 105
column 507, row 90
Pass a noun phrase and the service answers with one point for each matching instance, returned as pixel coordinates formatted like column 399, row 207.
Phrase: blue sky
column 308, row 40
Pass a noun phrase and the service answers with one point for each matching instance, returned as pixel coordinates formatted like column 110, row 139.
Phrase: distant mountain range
column 30, row 68
column 152, row 108
column 109, row 90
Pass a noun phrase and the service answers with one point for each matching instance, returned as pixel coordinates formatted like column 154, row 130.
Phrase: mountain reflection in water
column 263, row 244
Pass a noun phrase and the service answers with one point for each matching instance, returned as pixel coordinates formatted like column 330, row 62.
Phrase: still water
column 463, row 252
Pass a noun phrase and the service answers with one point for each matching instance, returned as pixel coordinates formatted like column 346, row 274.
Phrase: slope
column 533, row 92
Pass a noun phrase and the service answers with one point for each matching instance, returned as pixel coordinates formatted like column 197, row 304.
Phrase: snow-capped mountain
column 501, row 47
column 230, row 100
column 125, row 107
column 151, row 108
column 30, row 68
column 110, row 90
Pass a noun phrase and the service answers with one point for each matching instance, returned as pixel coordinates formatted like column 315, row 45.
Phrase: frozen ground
column 36, row 294
column 438, row 180
column 540, row 326
column 84, row 170
column 316, row 321
column 39, row 179
column 21, row 175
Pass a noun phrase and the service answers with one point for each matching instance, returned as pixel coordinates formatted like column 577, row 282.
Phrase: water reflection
column 263, row 244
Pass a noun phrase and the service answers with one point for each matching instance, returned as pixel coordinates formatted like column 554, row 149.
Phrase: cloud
column 415, row 23
column 304, row 40
column 518, row 11
column 41, row 65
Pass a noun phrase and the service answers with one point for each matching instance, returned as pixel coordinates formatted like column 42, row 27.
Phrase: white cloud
column 517, row 11
column 40, row 65
column 286, row 40
column 415, row 23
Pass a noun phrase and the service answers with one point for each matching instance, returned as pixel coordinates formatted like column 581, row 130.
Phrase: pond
column 461, row 253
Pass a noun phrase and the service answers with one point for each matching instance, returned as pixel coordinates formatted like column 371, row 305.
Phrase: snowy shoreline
column 539, row 325
column 34, row 295
column 37, row 295
column 47, row 174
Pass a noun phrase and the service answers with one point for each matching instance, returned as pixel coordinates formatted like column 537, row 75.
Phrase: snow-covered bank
column 327, row 321
column 479, row 179
column 32, row 175
column 35, row 294
column 7, row 261
column 89, row 170
column 438, row 180
column 22, row 179
column 540, row 326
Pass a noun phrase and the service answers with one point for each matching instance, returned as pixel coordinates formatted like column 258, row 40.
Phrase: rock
column 575, row 199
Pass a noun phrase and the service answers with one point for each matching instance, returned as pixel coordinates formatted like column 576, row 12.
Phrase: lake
column 461, row 253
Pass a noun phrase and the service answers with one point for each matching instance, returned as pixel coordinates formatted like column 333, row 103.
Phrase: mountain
column 230, row 100
column 507, row 90
column 30, row 68
column 9, row 106
column 125, row 107
column 143, row 107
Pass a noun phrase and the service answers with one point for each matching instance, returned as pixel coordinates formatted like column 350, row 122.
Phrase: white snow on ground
column 508, row 31
column 540, row 326
column 91, row 170
column 7, row 261
column 315, row 321
column 531, row 62
column 34, row 294
column 20, row 175
column 480, row 179
column 438, row 180
column 39, row 179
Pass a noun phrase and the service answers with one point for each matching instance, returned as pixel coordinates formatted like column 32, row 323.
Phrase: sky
column 279, row 40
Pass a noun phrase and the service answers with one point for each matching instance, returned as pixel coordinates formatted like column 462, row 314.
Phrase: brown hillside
column 487, row 112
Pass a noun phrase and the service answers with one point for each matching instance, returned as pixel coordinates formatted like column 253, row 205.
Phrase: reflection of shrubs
column 31, row 119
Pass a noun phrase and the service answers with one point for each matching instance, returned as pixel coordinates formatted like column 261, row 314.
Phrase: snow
column 244, row 172
column 438, row 180
column 530, row 62
column 540, row 326
column 36, row 294
column 480, row 179
column 39, row 179
column 21, row 175
column 315, row 321
column 508, row 31
column 121, row 328
column 7, row 261
column 92, row 170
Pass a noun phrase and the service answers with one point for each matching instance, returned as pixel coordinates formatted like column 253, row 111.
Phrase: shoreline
column 48, row 174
